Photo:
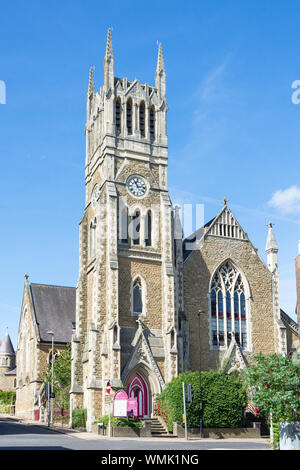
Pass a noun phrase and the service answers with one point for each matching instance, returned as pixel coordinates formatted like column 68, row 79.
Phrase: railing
column 251, row 408
column 159, row 411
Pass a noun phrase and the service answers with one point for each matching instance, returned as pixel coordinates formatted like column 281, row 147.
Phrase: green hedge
column 79, row 418
column 224, row 399
column 5, row 397
column 118, row 422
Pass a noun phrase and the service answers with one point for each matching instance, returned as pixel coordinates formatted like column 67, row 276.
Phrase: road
column 16, row 435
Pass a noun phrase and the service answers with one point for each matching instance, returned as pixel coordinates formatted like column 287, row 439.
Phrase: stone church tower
column 127, row 312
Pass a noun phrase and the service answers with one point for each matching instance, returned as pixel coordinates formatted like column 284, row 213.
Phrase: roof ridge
column 51, row 285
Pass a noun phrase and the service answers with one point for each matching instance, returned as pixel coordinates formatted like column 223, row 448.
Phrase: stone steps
column 157, row 428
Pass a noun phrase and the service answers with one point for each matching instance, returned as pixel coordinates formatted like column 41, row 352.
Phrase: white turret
column 271, row 249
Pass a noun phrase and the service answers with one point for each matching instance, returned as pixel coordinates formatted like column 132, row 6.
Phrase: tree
column 274, row 382
column 61, row 377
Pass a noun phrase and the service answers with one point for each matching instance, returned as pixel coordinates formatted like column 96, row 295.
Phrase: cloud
column 286, row 200
column 210, row 88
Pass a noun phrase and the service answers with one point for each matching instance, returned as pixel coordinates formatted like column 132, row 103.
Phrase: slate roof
column 6, row 345
column 54, row 308
column 12, row 372
column 197, row 235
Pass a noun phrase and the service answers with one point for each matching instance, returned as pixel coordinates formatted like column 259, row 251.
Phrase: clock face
column 137, row 186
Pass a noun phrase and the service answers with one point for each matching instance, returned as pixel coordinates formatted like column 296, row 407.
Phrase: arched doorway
column 138, row 388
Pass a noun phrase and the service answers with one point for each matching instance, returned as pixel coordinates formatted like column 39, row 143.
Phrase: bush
column 79, row 418
column 5, row 397
column 224, row 400
column 118, row 422
column 4, row 408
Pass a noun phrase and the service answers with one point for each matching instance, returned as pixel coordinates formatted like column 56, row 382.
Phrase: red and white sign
column 108, row 388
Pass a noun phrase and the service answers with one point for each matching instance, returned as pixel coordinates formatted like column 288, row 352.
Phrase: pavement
column 94, row 436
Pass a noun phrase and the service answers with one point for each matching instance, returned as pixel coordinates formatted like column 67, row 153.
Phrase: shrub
column 5, row 397
column 223, row 400
column 4, row 408
column 79, row 418
column 117, row 422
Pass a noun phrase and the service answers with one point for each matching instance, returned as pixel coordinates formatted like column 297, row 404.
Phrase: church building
column 140, row 285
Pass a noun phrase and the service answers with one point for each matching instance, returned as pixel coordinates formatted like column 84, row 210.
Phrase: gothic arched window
column 135, row 228
column 142, row 118
column 123, row 223
column 137, row 294
column 93, row 226
column 148, row 229
column 228, row 307
column 129, row 116
column 118, row 115
column 152, row 122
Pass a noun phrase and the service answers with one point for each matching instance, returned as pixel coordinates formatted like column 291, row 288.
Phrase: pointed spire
column 6, row 345
column 108, row 64
column 160, row 60
column 271, row 244
column 109, row 49
column 160, row 76
column 91, row 89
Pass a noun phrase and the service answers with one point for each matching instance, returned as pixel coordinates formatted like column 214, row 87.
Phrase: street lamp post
column 200, row 382
column 52, row 375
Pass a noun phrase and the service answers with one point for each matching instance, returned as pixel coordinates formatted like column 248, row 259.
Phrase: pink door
column 138, row 389
column 37, row 414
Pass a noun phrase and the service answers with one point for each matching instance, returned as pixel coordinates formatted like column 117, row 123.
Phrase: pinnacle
column 160, row 59
column 271, row 240
column 109, row 49
column 91, row 89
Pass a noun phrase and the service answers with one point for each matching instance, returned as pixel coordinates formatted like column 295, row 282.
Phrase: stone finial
column 26, row 276
column 225, row 201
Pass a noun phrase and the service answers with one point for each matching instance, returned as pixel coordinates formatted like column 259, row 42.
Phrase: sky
column 233, row 122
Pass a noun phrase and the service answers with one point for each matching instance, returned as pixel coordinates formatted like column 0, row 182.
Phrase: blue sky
column 232, row 127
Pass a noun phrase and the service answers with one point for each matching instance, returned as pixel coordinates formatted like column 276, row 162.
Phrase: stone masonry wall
column 198, row 270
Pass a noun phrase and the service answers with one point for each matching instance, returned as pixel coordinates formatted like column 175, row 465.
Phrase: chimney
column 297, row 265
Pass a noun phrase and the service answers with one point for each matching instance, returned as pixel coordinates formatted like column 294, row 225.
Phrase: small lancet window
column 148, row 229
column 142, row 118
column 118, row 115
column 123, row 224
column 172, row 339
column 115, row 334
column 136, row 228
column 93, row 237
column 137, row 297
column 152, row 122
column 129, row 116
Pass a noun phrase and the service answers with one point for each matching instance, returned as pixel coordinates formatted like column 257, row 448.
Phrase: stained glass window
column 228, row 307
